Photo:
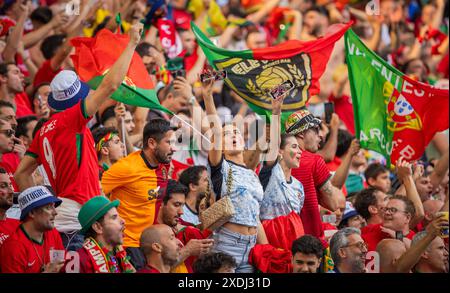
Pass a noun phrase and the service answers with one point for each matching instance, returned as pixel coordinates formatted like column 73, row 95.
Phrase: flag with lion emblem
column 253, row 73
column 395, row 115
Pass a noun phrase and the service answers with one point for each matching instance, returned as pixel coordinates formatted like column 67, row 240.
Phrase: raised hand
column 403, row 169
column 354, row 147
column 136, row 32
column 278, row 103
column 181, row 85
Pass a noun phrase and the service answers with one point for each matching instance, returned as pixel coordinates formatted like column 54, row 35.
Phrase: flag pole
column 192, row 127
column 122, row 119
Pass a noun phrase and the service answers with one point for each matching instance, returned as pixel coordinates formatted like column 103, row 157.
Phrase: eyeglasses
column 361, row 245
column 393, row 210
column 8, row 132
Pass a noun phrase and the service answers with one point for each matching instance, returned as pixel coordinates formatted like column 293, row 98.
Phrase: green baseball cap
column 94, row 209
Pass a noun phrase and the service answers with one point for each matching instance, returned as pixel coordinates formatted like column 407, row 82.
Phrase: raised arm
column 23, row 175
column 341, row 174
column 275, row 131
column 296, row 28
column 405, row 175
column 329, row 150
column 13, row 40
column 440, row 170
column 215, row 153
column 115, row 76
column 268, row 6
column 34, row 37
column 412, row 256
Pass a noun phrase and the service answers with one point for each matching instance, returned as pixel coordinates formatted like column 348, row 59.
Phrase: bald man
column 390, row 250
column 161, row 249
column 431, row 207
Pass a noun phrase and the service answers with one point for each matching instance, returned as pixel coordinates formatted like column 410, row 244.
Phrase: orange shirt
column 130, row 180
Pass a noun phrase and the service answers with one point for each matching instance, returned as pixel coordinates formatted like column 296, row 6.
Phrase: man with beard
column 11, row 148
column 161, row 249
column 7, row 225
column 102, row 226
column 28, row 249
column 192, row 238
column 348, row 251
column 135, row 181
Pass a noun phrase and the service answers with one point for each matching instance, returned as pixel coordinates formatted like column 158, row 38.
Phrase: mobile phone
column 220, row 75
column 282, row 89
column 179, row 72
column 329, row 110
column 205, row 76
column 216, row 75
column 329, row 219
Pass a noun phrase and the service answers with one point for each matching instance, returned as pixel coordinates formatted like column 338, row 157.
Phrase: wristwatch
column 399, row 235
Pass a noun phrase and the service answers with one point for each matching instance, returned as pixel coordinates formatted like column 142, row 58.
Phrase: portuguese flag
column 253, row 73
column 95, row 56
column 394, row 114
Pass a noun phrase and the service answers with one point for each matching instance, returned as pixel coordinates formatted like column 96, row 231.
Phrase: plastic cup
column 57, row 255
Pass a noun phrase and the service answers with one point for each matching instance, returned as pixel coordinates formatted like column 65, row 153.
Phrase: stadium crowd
column 89, row 184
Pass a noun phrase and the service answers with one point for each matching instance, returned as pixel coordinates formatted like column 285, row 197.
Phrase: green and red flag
column 253, row 73
column 94, row 57
column 394, row 114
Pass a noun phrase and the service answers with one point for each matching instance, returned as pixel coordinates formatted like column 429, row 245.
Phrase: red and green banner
column 394, row 114
column 253, row 73
column 94, row 57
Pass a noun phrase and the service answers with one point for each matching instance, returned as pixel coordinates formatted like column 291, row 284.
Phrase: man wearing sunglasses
column 11, row 150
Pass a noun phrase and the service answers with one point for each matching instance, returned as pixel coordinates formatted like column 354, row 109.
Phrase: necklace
column 41, row 260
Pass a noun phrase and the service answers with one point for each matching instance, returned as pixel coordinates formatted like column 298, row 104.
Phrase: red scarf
column 105, row 261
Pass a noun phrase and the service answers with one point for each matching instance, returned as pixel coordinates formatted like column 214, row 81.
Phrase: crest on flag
column 254, row 79
column 401, row 114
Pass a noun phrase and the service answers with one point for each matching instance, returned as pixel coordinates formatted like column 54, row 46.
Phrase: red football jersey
column 21, row 254
column 65, row 147
column 313, row 173
column 7, row 228
column 9, row 162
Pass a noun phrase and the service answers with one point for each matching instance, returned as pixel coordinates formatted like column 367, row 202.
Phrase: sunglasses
column 8, row 132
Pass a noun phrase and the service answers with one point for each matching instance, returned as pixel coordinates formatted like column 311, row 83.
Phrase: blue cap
column 34, row 197
column 67, row 90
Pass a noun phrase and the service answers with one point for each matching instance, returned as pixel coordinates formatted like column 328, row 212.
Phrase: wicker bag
column 219, row 212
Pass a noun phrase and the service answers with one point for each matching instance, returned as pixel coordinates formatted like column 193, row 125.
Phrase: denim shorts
column 236, row 245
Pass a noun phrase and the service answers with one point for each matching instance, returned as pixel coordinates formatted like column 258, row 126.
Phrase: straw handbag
column 219, row 212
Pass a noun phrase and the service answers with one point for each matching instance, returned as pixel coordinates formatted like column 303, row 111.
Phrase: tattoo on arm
column 327, row 189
